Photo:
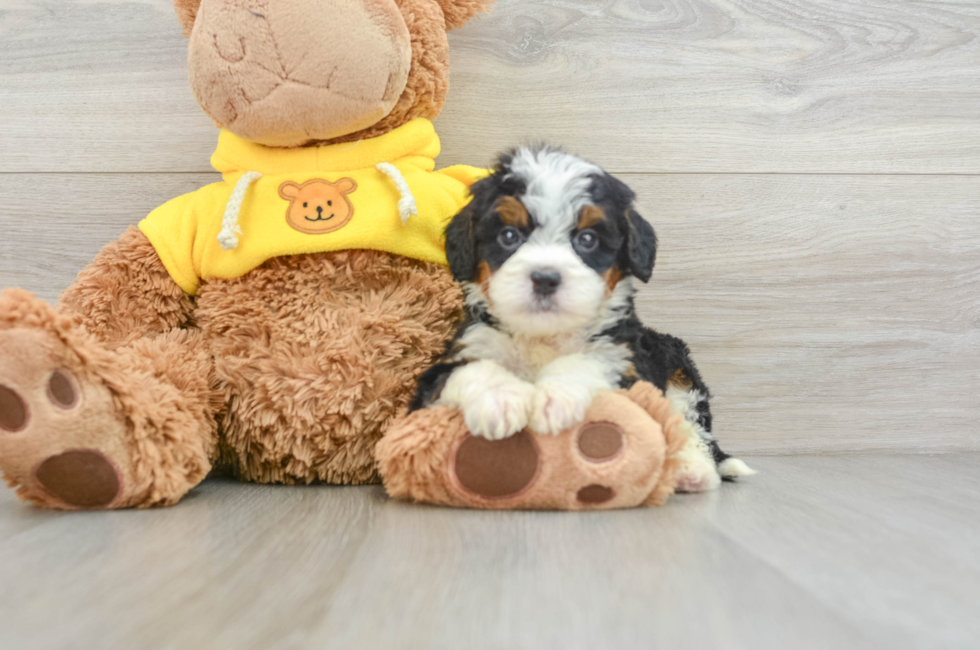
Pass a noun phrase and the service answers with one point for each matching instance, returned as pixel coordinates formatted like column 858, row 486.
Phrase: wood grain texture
column 54, row 224
column 815, row 552
column 826, row 313
column 640, row 85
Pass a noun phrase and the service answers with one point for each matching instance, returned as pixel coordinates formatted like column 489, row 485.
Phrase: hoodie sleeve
column 458, row 179
column 174, row 229
column 465, row 174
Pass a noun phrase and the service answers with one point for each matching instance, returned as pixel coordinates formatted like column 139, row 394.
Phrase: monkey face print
column 318, row 207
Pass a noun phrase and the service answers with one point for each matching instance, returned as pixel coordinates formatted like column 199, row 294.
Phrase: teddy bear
column 273, row 324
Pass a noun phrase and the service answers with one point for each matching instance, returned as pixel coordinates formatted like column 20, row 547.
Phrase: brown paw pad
column 600, row 442
column 81, row 478
column 62, row 391
column 595, row 495
column 13, row 411
column 497, row 469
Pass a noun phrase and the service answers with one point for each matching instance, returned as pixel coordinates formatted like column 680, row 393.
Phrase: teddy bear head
column 292, row 73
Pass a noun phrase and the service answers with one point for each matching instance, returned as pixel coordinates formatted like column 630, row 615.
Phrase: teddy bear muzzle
column 254, row 76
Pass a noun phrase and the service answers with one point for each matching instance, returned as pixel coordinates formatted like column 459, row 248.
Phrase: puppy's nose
column 545, row 283
column 319, row 209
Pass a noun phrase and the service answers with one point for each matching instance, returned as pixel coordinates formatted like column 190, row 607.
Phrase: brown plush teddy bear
column 274, row 323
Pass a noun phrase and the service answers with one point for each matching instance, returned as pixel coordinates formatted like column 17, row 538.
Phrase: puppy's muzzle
column 546, row 283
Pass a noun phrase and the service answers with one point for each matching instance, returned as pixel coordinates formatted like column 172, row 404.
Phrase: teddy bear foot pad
column 83, row 427
column 507, row 469
column 56, row 430
column 619, row 457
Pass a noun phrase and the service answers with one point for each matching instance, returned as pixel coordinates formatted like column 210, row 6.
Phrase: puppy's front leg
column 494, row 401
column 565, row 389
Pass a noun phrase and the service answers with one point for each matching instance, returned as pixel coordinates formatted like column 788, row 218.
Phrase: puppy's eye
column 510, row 238
column 586, row 241
column 306, row 205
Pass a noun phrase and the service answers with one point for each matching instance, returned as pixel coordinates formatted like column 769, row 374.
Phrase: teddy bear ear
column 186, row 13
column 289, row 190
column 346, row 185
column 460, row 12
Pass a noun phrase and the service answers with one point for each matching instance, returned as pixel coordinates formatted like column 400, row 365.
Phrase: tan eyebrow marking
column 591, row 215
column 512, row 212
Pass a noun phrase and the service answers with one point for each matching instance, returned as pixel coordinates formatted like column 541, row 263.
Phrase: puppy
column 547, row 253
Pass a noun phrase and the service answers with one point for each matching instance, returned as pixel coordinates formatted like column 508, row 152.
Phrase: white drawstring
column 407, row 206
column 230, row 229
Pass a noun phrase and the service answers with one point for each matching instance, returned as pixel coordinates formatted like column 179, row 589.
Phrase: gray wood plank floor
column 845, row 551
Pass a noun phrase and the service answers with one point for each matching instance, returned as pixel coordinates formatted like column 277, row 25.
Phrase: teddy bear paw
column 61, row 444
column 621, row 455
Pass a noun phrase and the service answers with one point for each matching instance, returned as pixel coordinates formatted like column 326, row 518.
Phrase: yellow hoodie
column 379, row 194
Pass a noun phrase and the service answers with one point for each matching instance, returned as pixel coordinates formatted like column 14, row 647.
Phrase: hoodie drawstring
column 407, row 206
column 228, row 237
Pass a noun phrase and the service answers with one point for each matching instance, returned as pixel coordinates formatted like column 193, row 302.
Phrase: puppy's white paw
column 499, row 412
column 557, row 407
column 494, row 402
column 697, row 472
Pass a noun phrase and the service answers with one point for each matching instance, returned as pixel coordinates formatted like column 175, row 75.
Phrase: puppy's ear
column 460, row 12
column 187, row 13
column 641, row 246
column 461, row 245
column 640, row 251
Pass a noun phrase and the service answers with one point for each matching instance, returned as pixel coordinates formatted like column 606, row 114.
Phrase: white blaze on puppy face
column 557, row 191
column 573, row 306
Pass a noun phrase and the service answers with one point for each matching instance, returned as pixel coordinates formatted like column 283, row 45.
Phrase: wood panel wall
column 812, row 168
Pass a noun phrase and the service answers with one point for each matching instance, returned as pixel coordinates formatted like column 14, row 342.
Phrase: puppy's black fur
column 661, row 359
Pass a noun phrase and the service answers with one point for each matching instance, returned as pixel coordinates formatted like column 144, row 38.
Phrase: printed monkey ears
column 289, row 190
column 345, row 185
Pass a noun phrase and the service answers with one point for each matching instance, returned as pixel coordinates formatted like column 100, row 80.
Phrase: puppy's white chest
column 533, row 354
column 524, row 356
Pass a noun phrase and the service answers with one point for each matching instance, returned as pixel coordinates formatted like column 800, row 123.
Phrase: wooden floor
column 813, row 170
column 816, row 552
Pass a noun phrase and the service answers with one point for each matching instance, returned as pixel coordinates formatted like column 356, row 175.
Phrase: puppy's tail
column 731, row 468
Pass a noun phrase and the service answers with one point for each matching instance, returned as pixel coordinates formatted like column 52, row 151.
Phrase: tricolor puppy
column 547, row 253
